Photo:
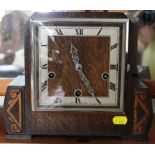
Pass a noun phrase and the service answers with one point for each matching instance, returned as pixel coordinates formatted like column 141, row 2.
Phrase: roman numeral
column 44, row 66
column 98, row 100
column 114, row 46
column 99, row 31
column 112, row 86
column 79, row 31
column 114, row 67
column 59, row 32
column 44, row 86
column 77, row 100
column 57, row 100
column 43, row 45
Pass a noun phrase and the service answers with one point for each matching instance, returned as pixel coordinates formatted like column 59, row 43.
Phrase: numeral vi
column 77, row 100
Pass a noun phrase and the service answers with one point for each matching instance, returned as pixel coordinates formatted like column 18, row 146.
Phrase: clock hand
column 78, row 68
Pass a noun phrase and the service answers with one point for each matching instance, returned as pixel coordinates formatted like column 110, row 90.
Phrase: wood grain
column 73, row 139
column 94, row 55
column 142, row 113
column 3, row 85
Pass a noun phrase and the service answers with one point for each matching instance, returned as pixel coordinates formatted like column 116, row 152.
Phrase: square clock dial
column 79, row 64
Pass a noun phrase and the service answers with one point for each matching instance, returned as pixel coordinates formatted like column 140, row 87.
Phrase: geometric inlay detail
column 15, row 100
column 140, row 103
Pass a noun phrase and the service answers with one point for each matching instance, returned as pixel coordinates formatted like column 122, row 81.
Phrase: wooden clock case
column 21, row 121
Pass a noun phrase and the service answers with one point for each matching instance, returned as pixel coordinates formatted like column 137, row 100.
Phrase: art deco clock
column 79, row 69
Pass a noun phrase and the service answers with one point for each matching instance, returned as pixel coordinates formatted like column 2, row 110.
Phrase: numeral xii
column 79, row 31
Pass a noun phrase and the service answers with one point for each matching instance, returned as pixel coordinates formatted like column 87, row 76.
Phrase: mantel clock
column 79, row 79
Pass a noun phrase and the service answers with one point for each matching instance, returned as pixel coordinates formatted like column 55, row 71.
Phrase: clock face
column 79, row 66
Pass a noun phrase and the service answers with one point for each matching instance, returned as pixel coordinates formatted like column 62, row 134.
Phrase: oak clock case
column 78, row 78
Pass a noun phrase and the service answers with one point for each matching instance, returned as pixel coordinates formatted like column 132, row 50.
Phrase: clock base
column 19, row 125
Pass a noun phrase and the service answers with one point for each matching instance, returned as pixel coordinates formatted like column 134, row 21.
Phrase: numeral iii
column 114, row 67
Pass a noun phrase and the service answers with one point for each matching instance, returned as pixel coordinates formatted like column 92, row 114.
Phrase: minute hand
column 78, row 68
